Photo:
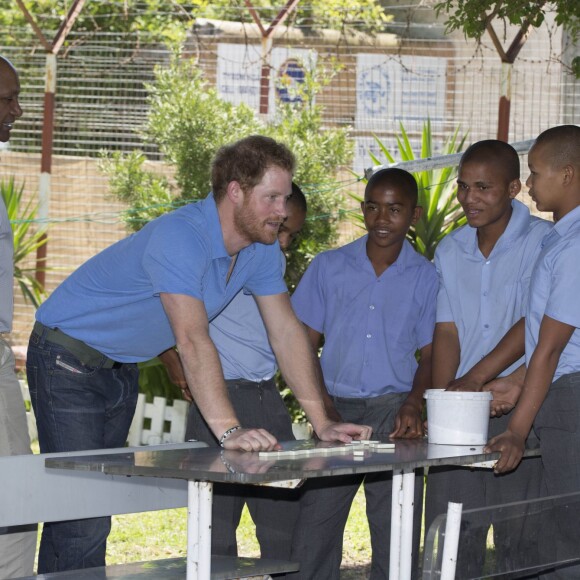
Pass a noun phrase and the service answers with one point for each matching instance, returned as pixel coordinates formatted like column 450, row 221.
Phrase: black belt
column 245, row 383
column 88, row 355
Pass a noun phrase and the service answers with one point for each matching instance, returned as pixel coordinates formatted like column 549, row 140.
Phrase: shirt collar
column 466, row 237
column 562, row 226
column 405, row 258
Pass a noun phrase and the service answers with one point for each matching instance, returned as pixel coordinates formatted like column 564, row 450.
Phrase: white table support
column 199, row 506
column 451, row 544
column 402, row 507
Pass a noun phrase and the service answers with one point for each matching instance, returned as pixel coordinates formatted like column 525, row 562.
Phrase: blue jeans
column 77, row 407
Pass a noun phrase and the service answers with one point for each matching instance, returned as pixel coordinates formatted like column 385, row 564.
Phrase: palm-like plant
column 441, row 212
column 26, row 239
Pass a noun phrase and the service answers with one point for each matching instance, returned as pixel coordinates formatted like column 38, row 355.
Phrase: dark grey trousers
column 326, row 502
column 558, row 428
column 479, row 488
column 274, row 510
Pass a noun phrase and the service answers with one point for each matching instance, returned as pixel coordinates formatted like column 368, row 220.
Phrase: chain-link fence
column 404, row 75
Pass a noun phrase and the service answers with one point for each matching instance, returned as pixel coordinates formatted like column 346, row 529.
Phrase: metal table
column 202, row 467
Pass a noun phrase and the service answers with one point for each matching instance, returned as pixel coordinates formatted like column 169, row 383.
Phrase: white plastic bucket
column 457, row 418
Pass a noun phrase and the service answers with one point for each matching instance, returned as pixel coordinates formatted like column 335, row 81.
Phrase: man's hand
column 408, row 422
column 511, row 446
column 467, row 383
column 506, row 392
column 251, row 440
column 174, row 368
column 344, row 432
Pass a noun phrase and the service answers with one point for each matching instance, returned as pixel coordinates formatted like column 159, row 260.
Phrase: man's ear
column 514, row 187
column 417, row 213
column 362, row 206
column 235, row 193
column 568, row 174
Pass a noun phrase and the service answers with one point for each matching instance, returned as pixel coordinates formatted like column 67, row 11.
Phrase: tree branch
column 35, row 27
column 496, row 41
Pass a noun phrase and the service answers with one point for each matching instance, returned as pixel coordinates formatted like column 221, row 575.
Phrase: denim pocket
column 61, row 361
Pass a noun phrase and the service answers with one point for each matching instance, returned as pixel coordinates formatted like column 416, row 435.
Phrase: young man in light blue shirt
column 550, row 399
column 374, row 302
column 484, row 270
column 158, row 288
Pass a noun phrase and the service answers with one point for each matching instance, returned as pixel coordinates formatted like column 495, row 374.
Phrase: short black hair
column 497, row 152
column 394, row 176
column 298, row 198
column 564, row 144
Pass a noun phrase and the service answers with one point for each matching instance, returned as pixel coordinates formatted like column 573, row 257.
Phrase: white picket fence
column 153, row 423
column 167, row 422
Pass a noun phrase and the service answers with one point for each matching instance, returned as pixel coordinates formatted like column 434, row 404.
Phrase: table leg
column 199, row 502
column 452, row 529
column 402, row 507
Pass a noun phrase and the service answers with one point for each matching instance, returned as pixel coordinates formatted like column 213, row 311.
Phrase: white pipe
column 396, row 524
column 440, row 161
column 205, row 503
column 406, row 549
column 451, row 544
column 199, row 530
column 193, row 513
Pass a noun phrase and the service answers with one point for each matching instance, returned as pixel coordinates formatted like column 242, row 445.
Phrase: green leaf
column 27, row 239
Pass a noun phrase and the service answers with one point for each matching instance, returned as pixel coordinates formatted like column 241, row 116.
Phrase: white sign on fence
column 398, row 88
column 239, row 69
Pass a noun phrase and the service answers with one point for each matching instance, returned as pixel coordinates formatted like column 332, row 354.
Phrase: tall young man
column 484, row 270
column 374, row 302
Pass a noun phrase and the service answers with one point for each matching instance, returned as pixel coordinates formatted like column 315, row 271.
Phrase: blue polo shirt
column 112, row 302
column 240, row 337
column 372, row 325
column 554, row 290
column 485, row 297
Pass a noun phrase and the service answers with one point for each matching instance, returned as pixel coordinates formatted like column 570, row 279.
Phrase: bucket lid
column 442, row 394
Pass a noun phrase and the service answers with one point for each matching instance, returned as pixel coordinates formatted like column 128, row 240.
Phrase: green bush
column 26, row 240
column 154, row 381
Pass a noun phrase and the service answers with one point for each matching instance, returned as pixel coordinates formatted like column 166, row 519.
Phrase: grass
column 156, row 535
column 163, row 534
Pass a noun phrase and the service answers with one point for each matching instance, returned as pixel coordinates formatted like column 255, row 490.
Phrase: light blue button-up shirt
column 240, row 337
column 485, row 297
column 372, row 325
column 112, row 302
column 555, row 290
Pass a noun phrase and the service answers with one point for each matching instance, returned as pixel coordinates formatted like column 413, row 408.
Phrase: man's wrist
column 415, row 401
column 227, row 434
